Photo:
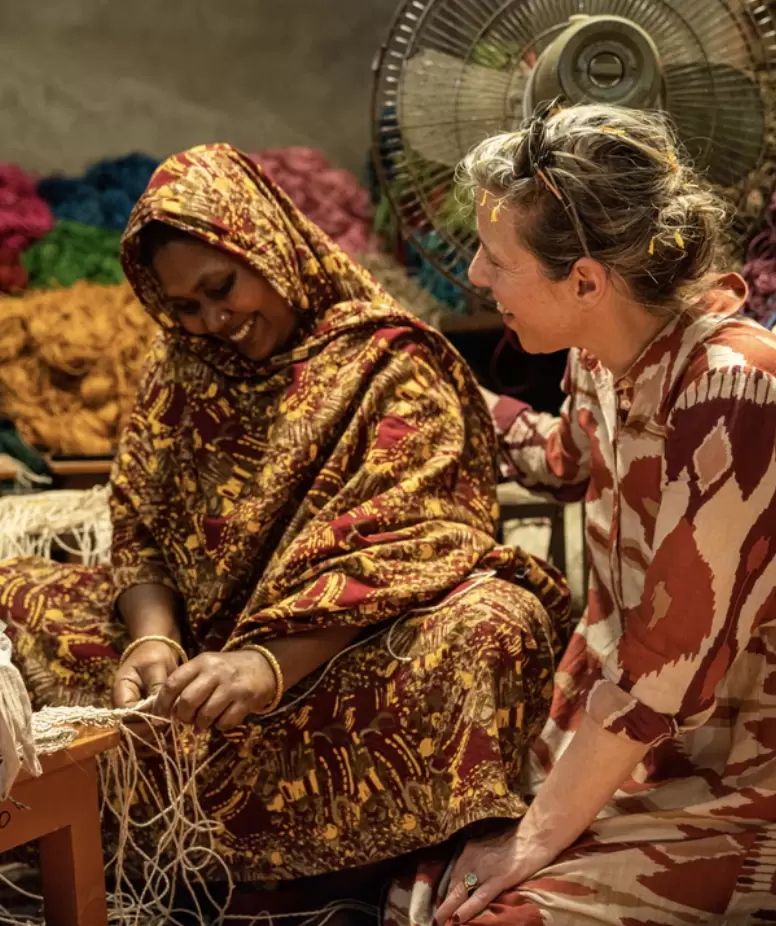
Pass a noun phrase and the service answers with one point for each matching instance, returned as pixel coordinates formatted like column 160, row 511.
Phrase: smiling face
column 213, row 294
column 546, row 315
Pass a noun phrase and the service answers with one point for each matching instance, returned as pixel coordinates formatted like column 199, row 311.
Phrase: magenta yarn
column 24, row 216
column 760, row 270
column 330, row 197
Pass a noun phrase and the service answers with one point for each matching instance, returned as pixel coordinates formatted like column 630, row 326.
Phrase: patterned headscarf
column 343, row 481
column 222, row 197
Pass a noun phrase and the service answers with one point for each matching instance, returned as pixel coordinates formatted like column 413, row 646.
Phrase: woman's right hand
column 144, row 672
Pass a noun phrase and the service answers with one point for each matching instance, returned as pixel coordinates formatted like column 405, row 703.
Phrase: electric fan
column 455, row 71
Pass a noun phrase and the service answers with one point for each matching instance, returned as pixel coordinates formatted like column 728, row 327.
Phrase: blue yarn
column 104, row 195
column 429, row 278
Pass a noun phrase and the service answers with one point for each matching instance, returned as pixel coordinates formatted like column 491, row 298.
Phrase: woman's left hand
column 500, row 862
column 217, row 689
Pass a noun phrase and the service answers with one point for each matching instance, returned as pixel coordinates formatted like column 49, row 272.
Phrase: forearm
column 544, row 453
column 587, row 775
column 150, row 609
column 303, row 653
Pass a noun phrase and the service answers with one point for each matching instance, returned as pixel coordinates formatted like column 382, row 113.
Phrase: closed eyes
column 191, row 306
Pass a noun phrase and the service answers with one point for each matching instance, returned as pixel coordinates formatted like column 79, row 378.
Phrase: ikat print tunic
column 676, row 461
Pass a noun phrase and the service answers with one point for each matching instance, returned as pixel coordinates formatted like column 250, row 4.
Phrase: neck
column 621, row 334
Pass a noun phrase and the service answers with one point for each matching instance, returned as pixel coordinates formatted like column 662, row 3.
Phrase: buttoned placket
column 621, row 393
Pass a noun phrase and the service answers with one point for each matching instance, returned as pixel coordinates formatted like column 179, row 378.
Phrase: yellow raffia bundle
column 70, row 361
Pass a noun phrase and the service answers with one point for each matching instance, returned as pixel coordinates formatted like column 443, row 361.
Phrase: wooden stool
column 517, row 504
column 64, row 816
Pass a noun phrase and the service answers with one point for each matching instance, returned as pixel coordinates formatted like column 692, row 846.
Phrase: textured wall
column 80, row 79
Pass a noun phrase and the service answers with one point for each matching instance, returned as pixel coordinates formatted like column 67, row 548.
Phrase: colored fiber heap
column 429, row 278
column 73, row 252
column 104, row 195
column 13, row 276
column 330, row 197
column 70, row 362
column 760, row 271
column 24, row 216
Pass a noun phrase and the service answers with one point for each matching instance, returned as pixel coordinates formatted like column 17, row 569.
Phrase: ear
column 590, row 281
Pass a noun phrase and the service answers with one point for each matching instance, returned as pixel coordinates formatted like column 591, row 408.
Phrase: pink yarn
column 330, row 197
column 13, row 277
column 760, row 269
column 24, row 216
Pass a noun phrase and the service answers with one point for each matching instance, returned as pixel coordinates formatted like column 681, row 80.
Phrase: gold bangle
column 154, row 638
column 278, row 672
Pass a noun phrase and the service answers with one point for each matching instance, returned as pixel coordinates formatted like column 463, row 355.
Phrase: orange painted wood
column 64, row 816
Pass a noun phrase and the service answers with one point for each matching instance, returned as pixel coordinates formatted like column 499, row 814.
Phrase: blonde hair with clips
column 610, row 184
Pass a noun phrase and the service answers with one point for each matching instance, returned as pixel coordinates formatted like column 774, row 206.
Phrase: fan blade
column 446, row 106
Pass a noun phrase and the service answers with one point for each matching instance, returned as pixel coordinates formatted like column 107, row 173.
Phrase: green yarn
column 71, row 252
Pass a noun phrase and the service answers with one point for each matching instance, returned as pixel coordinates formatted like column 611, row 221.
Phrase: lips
column 242, row 332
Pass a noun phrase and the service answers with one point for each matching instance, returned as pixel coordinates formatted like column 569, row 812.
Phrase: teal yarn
column 71, row 252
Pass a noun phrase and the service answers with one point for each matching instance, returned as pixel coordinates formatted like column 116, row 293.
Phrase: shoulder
column 723, row 418
column 735, row 363
column 734, row 343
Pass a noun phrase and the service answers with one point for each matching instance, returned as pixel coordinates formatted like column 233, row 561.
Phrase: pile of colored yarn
column 71, row 252
column 760, row 271
column 405, row 290
column 13, row 276
column 24, row 217
column 70, row 361
column 104, row 195
column 330, row 197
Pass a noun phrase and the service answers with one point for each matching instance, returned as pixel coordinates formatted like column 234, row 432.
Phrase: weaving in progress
column 387, row 472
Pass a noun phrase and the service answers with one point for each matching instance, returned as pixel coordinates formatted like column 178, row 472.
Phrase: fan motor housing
column 602, row 59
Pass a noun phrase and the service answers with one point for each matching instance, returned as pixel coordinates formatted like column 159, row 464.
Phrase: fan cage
column 704, row 57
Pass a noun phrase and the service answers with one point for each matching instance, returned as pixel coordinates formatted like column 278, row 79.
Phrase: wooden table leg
column 71, row 859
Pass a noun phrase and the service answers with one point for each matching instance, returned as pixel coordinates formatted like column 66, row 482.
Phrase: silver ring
column 470, row 881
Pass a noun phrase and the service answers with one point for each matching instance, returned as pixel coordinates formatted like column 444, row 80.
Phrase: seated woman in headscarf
column 654, row 780
column 308, row 474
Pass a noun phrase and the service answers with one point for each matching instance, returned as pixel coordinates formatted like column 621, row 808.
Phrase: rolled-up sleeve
column 709, row 585
column 547, row 454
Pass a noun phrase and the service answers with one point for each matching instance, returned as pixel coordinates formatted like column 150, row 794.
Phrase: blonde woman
column 654, row 782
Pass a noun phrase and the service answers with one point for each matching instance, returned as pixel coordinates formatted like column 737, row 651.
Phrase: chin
column 530, row 343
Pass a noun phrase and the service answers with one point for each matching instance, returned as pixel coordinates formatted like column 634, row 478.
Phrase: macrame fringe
column 76, row 522
column 184, row 860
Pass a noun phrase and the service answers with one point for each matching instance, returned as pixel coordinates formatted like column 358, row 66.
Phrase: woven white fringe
column 77, row 522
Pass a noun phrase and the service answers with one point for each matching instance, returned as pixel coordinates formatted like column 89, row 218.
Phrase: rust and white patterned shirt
column 677, row 463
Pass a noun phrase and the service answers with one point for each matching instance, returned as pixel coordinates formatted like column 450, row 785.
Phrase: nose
column 214, row 317
column 477, row 273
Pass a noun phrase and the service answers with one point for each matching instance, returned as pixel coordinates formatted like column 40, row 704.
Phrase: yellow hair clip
column 651, row 248
column 497, row 208
column 608, row 130
column 679, row 240
column 484, row 197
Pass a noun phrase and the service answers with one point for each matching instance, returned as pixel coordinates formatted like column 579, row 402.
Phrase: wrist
column 150, row 610
column 269, row 658
column 161, row 641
